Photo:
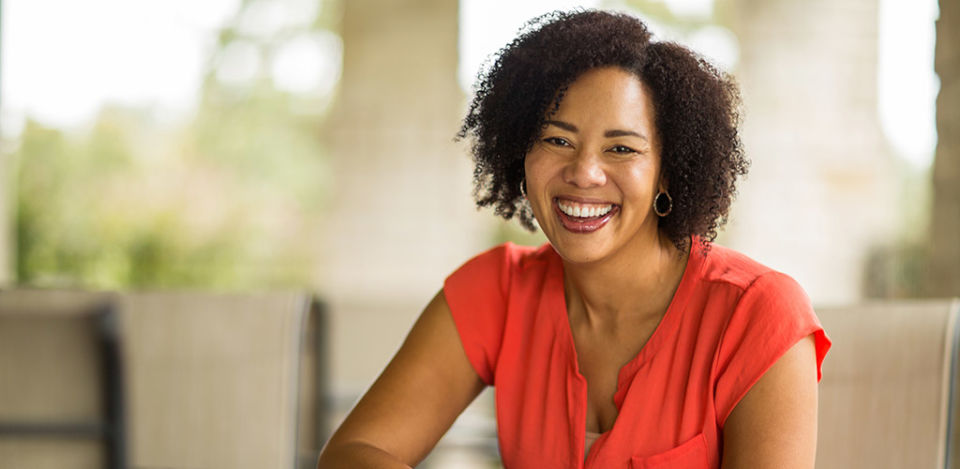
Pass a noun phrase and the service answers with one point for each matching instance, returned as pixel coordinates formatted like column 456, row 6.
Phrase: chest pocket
column 691, row 454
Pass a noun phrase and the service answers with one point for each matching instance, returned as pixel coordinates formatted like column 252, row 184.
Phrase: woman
column 629, row 340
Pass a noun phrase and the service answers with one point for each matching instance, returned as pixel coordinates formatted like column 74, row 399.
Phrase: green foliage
column 259, row 139
column 231, row 198
column 79, row 224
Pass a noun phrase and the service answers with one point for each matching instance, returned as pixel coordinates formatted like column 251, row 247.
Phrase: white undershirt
column 591, row 437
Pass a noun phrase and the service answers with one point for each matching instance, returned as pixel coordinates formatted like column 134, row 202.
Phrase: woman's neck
column 638, row 282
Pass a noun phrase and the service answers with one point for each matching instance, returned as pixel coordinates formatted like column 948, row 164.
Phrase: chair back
column 888, row 396
column 61, row 384
column 217, row 380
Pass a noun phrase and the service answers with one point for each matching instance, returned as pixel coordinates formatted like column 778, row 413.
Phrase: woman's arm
column 413, row 402
column 775, row 424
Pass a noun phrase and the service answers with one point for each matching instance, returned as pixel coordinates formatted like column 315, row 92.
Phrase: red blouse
column 730, row 320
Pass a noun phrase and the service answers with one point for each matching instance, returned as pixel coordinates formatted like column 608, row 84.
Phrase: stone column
column 821, row 190
column 944, row 268
column 402, row 216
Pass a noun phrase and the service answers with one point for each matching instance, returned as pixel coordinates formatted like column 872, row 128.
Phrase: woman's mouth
column 580, row 217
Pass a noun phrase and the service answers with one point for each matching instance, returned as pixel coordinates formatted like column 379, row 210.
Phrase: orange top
column 730, row 320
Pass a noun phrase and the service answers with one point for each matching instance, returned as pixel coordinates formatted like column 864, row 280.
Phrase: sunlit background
column 263, row 145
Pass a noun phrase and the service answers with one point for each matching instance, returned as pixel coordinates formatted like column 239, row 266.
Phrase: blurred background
column 238, row 146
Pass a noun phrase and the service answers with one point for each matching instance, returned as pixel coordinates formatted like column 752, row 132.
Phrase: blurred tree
column 229, row 199
column 80, row 224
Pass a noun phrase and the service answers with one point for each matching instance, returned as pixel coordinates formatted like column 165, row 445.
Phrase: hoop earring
column 523, row 187
column 660, row 201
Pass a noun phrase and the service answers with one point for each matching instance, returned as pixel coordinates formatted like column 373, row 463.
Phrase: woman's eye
column 557, row 141
column 622, row 150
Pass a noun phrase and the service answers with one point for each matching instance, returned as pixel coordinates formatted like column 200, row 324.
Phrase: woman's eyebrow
column 563, row 125
column 609, row 134
column 623, row 133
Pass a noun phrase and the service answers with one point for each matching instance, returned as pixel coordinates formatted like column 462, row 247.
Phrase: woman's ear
column 662, row 185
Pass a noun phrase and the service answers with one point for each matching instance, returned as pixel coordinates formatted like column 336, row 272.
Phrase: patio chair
column 224, row 380
column 889, row 394
column 61, row 381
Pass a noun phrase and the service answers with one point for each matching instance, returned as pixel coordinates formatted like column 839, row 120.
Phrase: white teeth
column 584, row 211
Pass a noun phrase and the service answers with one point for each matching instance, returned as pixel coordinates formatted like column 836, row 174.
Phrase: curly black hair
column 697, row 114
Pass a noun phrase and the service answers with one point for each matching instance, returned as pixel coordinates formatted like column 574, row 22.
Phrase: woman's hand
column 413, row 402
column 775, row 424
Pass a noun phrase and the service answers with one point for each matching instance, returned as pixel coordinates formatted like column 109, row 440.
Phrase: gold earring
column 660, row 201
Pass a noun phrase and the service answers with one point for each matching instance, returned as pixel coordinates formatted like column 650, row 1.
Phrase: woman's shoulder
column 726, row 266
column 502, row 263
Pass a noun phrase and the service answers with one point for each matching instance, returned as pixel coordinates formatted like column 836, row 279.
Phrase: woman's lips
column 583, row 225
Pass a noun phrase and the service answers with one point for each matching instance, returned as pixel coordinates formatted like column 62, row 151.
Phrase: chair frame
column 112, row 429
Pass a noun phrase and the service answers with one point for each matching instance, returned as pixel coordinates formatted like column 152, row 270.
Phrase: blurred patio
column 220, row 271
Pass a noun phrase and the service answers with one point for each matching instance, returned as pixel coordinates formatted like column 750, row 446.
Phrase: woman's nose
column 585, row 170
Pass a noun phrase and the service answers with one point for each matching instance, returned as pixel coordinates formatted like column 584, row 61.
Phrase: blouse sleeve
column 477, row 296
column 773, row 314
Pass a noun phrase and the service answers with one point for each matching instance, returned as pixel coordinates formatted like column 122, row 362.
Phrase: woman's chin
column 581, row 251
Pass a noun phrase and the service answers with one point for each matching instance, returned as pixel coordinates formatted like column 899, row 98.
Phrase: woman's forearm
column 360, row 456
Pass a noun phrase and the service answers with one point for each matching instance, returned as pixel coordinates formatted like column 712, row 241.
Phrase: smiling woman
column 597, row 163
column 629, row 340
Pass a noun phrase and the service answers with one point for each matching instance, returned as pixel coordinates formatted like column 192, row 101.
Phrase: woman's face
column 593, row 173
